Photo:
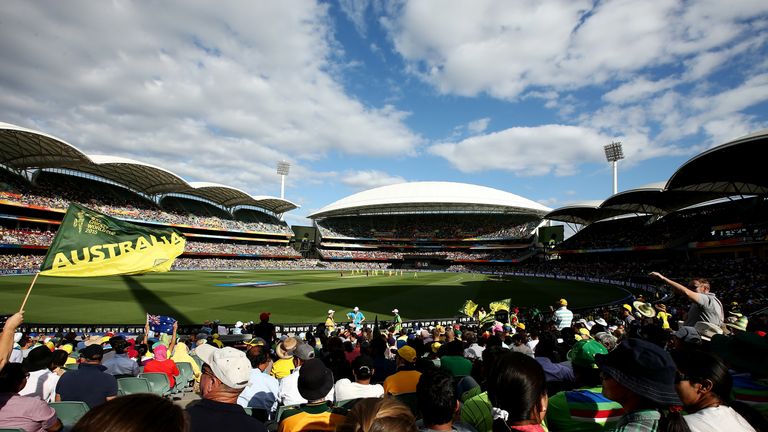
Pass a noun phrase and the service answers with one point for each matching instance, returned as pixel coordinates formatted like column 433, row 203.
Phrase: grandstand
column 41, row 174
column 429, row 225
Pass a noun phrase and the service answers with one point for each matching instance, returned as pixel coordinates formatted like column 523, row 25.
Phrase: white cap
column 330, row 311
column 601, row 321
column 394, row 311
column 239, row 324
column 230, row 366
column 17, row 337
column 356, row 309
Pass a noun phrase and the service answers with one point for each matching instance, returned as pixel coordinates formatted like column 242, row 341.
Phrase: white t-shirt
column 288, row 393
column 716, row 419
column 41, row 383
column 346, row 390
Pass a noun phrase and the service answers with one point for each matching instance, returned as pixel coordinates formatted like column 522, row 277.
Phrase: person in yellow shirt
column 406, row 377
column 663, row 315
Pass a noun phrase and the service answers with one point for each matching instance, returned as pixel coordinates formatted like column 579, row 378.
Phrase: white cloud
column 503, row 48
column 526, row 151
column 355, row 10
column 220, row 93
column 368, row 179
column 638, row 88
column 479, row 125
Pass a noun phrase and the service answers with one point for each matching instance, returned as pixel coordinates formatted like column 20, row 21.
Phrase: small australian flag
column 160, row 323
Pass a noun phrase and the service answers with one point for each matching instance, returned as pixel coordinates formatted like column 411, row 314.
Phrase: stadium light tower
column 283, row 168
column 614, row 153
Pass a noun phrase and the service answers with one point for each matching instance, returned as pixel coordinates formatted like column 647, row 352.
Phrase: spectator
column 161, row 363
column 181, row 355
column 59, row 359
column 562, row 317
column 477, row 410
column 120, row 365
column 9, row 348
column 379, row 415
column 437, row 401
column 134, row 413
column 261, row 392
column 518, row 391
column 42, row 380
column 265, row 330
column 289, row 393
column 453, row 361
column 585, row 409
column 641, row 377
column 225, row 374
column 406, row 377
column 362, row 369
column 89, row 383
column 314, row 384
column 284, row 364
column 704, row 305
column 23, row 412
column 546, row 354
column 745, row 353
column 704, row 386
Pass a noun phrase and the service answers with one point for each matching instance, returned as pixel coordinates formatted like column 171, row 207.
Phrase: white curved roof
column 433, row 195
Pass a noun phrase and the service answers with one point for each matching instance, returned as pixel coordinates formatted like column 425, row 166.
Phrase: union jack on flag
column 160, row 323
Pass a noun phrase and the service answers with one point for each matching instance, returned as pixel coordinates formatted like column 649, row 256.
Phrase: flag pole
column 29, row 291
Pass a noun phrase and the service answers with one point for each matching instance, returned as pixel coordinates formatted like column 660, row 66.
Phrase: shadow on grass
column 151, row 302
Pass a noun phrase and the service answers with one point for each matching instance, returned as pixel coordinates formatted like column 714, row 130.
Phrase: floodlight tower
column 283, row 168
column 614, row 153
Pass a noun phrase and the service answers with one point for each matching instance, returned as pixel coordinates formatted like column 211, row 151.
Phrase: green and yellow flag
column 90, row 243
column 500, row 305
column 469, row 308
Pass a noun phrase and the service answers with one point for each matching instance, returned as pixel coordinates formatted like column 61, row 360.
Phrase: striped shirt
column 476, row 412
column 563, row 318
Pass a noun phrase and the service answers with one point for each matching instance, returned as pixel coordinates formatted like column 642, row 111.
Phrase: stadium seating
column 133, row 385
column 69, row 412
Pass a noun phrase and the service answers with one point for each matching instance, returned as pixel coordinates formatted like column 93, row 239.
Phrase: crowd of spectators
column 26, row 237
column 239, row 248
column 629, row 367
column 449, row 255
column 57, row 191
column 426, row 226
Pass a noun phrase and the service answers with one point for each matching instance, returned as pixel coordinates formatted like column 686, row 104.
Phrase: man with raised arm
column 704, row 305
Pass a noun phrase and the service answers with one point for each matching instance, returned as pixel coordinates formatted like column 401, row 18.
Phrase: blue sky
column 515, row 95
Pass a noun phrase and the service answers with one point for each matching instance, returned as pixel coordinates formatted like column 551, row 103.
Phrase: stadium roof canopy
column 653, row 199
column 24, row 149
column 583, row 213
column 733, row 168
column 430, row 197
column 229, row 196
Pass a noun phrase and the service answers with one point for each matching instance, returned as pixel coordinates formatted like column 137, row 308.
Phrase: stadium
column 710, row 215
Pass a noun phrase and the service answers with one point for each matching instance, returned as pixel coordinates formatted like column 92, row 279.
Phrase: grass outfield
column 194, row 296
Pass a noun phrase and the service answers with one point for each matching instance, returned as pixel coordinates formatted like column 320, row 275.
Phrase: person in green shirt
column 453, row 361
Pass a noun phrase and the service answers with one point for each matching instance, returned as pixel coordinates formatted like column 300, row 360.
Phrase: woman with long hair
column 704, row 386
column 517, row 390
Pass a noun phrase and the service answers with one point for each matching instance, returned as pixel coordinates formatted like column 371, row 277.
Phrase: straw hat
column 285, row 348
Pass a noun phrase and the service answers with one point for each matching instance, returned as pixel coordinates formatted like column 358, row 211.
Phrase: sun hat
column 286, row 348
column 602, row 322
column 436, row 347
column 257, row 341
column 643, row 368
column 707, row 330
column 583, row 353
column 315, row 380
column 407, row 353
column 661, row 306
column 231, row 366
column 304, row 352
column 740, row 324
column 644, row 308
column 743, row 351
column 238, row 324
column 584, row 333
column 688, row 334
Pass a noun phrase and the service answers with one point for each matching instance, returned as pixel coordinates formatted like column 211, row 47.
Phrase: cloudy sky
column 515, row 95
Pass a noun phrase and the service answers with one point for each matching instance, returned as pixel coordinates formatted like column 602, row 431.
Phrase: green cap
column 583, row 353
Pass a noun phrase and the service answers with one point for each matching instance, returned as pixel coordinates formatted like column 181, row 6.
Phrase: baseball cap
column 230, row 366
column 264, row 316
column 563, row 302
column 330, row 311
column 394, row 311
column 304, row 352
column 583, row 353
column 407, row 353
column 356, row 309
